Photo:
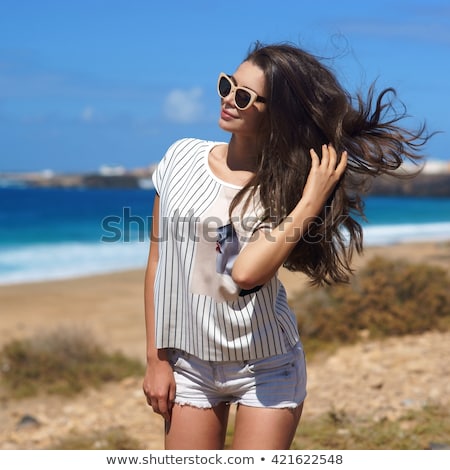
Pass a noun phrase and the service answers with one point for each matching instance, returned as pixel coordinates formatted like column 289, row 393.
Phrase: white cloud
column 87, row 114
column 184, row 106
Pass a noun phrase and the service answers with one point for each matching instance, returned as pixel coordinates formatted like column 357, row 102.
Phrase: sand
column 111, row 306
column 377, row 380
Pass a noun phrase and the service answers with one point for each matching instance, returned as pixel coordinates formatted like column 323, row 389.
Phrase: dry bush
column 63, row 362
column 386, row 298
column 428, row 428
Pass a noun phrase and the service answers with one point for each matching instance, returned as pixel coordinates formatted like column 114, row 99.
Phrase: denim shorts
column 273, row 382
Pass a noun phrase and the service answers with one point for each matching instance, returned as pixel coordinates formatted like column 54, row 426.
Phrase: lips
column 226, row 115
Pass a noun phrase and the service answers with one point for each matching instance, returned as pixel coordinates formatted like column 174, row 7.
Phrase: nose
column 229, row 99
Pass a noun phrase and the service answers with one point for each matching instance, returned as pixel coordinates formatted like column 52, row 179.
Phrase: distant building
column 106, row 170
column 145, row 183
column 436, row 167
column 429, row 167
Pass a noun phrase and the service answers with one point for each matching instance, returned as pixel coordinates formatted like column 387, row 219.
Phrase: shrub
column 63, row 362
column 386, row 298
column 420, row 429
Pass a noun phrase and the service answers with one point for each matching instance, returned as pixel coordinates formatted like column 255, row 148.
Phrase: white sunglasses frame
column 254, row 97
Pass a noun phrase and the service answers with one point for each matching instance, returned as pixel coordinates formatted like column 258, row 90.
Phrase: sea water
column 63, row 233
column 48, row 234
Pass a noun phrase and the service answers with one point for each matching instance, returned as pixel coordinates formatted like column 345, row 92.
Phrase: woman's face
column 245, row 122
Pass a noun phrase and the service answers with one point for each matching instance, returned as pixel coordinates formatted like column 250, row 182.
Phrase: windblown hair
column 306, row 108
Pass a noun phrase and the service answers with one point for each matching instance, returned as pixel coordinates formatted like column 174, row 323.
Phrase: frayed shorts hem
column 209, row 405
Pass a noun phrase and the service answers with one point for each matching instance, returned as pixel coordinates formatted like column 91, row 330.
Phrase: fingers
column 329, row 156
column 343, row 163
column 161, row 406
column 329, row 159
column 315, row 161
column 161, row 403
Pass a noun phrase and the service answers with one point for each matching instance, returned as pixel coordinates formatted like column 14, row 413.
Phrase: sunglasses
column 243, row 97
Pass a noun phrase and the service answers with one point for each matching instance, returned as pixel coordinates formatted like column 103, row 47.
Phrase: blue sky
column 85, row 83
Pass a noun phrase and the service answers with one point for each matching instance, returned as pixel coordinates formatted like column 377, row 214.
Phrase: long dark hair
column 306, row 108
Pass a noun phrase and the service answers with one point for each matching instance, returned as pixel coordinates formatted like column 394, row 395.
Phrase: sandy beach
column 111, row 306
column 377, row 380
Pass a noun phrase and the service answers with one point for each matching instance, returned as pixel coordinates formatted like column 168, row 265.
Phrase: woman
column 282, row 192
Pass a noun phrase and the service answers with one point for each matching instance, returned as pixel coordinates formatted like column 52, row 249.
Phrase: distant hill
column 433, row 185
column 424, row 184
column 436, row 185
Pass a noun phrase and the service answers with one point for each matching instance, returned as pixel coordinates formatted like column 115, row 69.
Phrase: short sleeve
column 161, row 168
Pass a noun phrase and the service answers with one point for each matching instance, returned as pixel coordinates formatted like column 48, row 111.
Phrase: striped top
column 198, row 307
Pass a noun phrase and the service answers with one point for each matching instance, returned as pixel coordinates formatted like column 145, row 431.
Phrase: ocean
column 48, row 234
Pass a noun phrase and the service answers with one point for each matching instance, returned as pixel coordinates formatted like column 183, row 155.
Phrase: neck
column 242, row 154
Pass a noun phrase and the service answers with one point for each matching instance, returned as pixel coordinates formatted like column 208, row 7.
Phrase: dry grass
column 386, row 298
column 63, row 362
column 110, row 439
column 425, row 429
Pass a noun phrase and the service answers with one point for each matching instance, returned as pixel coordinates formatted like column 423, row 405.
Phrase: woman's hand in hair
column 263, row 255
column 324, row 174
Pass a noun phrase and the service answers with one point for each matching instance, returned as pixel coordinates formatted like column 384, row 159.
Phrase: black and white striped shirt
column 198, row 307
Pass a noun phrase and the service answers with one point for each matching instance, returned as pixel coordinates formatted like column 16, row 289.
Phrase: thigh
column 265, row 428
column 197, row 428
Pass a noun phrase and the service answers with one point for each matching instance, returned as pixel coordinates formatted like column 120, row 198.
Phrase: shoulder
column 186, row 145
column 179, row 157
column 187, row 151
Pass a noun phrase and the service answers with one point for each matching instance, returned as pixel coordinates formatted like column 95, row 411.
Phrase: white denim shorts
column 273, row 382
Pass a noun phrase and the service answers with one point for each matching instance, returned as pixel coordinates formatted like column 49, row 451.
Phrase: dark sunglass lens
column 242, row 98
column 224, row 87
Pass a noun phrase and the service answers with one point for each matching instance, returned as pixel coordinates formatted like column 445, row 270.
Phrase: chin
column 225, row 126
